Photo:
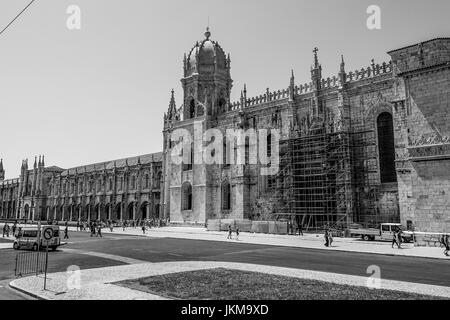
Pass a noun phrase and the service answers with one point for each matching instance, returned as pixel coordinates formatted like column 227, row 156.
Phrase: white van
column 28, row 238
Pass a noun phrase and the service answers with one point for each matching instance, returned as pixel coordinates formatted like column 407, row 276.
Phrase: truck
column 384, row 232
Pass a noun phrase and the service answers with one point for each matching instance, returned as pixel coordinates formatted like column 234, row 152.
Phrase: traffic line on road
column 105, row 256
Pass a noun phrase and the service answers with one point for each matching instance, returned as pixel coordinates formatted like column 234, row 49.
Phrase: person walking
column 78, row 226
column 445, row 241
column 66, row 232
column 111, row 226
column 300, row 229
column 230, row 232
column 6, row 230
column 330, row 238
column 143, row 228
column 327, row 238
column 237, row 234
column 14, row 227
column 99, row 231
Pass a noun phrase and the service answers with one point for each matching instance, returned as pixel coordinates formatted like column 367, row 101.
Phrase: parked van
column 30, row 238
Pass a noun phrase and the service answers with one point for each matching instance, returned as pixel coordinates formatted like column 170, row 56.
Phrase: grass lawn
column 227, row 284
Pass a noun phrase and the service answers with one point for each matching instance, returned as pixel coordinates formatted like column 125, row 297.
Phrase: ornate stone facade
column 127, row 189
column 370, row 101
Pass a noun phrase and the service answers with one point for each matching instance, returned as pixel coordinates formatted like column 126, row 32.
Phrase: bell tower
column 207, row 81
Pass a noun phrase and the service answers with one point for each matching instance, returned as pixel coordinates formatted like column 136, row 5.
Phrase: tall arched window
column 188, row 166
column 186, row 197
column 226, row 161
column 386, row 148
column 192, row 109
column 111, row 184
column 269, row 146
column 226, row 196
column 147, row 179
column 133, row 183
column 158, row 180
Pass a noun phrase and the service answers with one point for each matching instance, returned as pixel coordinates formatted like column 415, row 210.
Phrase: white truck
column 385, row 232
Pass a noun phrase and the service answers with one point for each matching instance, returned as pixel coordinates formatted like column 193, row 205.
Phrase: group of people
column 328, row 237
column 230, row 233
column 7, row 229
column 299, row 228
column 397, row 238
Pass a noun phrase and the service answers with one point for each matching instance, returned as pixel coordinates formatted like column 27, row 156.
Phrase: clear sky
column 100, row 93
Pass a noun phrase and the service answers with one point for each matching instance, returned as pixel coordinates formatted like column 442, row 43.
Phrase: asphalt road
column 410, row 269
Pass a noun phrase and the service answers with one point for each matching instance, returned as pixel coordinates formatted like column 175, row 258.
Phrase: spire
column 342, row 64
column 40, row 161
column 292, row 86
column 2, row 171
column 43, row 162
column 342, row 73
column 172, row 106
column 316, row 71
column 316, row 58
column 35, row 162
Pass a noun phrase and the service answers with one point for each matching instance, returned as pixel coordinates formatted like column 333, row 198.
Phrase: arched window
column 226, row 196
column 111, row 184
column 133, row 183
column 269, row 146
column 188, row 166
column 386, row 148
column 186, row 197
column 146, row 181
column 225, row 153
column 192, row 109
column 158, row 180
column 222, row 105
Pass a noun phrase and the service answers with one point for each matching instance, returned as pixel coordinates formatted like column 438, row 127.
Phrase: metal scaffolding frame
column 329, row 178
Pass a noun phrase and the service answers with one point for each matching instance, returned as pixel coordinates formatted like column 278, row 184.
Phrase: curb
column 33, row 295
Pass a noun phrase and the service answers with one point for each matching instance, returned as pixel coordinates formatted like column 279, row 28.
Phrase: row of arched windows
column 70, row 188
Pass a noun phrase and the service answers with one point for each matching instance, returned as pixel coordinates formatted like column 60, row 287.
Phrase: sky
column 100, row 93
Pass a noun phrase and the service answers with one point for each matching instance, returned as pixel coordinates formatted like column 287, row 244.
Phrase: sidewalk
column 98, row 284
column 310, row 241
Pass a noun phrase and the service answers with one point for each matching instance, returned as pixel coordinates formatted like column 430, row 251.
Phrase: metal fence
column 28, row 263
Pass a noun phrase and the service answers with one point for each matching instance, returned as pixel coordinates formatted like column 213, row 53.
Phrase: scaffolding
column 328, row 178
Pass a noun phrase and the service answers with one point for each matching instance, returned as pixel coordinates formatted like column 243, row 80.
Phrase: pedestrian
column 237, row 234
column 78, row 226
column 445, row 241
column 327, row 238
column 6, row 230
column 230, row 232
column 300, row 229
column 330, row 238
column 111, row 226
column 66, row 232
column 14, row 228
column 99, row 231
column 143, row 228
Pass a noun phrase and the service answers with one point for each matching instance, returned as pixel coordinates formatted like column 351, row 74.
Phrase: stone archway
column 131, row 211
column 118, row 212
column 27, row 212
column 145, row 211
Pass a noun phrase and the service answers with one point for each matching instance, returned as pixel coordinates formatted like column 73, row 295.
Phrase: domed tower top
column 207, row 81
column 206, row 57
